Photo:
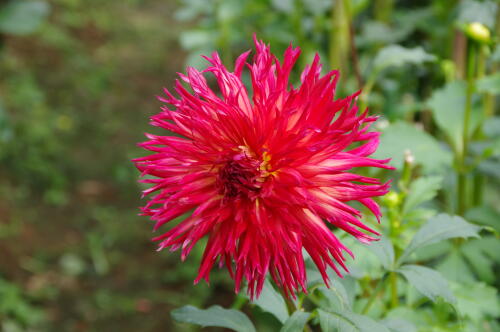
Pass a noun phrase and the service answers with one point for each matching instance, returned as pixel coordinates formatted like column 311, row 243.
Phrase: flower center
column 242, row 176
column 237, row 178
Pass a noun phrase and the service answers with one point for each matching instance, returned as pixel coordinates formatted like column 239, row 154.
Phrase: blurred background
column 78, row 80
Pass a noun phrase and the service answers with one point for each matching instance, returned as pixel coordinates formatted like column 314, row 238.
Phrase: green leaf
column 23, row 17
column 428, row 281
column 384, row 250
column 271, row 301
column 196, row 39
column 347, row 321
column 214, row 316
column 439, row 228
column 471, row 11
column 296, row 322
column 485, row 215
column 336, row 295
column 476, row 300
column 448, row 108
column 455, row 268
column 479, row 260
column 399, row 325
column 397, row 56
column 421, row 190
column 490, row 84
column 402, row 136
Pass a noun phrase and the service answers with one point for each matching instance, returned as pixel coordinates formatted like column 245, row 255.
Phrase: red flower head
column 264, row 175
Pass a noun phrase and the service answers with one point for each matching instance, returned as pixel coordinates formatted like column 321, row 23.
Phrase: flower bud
column 392, row 199
column 478, row 32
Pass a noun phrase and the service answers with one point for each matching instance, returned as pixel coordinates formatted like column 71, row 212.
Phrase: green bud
column 392, row 199
column 478, row 32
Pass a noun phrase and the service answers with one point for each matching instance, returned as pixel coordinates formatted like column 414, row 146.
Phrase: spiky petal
column 264, row 176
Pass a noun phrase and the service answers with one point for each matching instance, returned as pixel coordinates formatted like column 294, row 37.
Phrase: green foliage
column 296, row 322
column 346, row 321
column 23, row 17
column 428, row 281
column 400, row 137
column 214, row 316
column 439, row 228
column 271, row 301
column 396, row 56
column 76, row 84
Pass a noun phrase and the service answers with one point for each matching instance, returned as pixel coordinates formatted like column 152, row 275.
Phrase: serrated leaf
column 23, row 17
column 296, row 322
column 428, row 281
column 490, row 84
column 347, row 321
column 402, row 136
column 421, row 190
column 399, row 325
column 384, row 250
column 214, row 316
column 396, row 56
column 476, row 300
column 271, row 301
column 439, row 228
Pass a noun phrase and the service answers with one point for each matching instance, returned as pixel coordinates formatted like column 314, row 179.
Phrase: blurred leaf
column 375, row 32
column 439, row 228
column 22, row 17
column 490, row 84
column 433, row 251
column 492, row 127
column 401, row 136
column 336, row 295
column 476, row 300
column 214, row 316
column 194, row 39
column 447, row 105
column 285, row 6
column 271, row 301
column 397, row 56
column 427, row 281
column 384, row 250
column 471, row 11
column 484, row 215
column 479, row 260
column 490, row 245
column 347, row 321
column 296, row 322
column 422, row 190
column 72, row 264
column 399, row 325
column 455, row 268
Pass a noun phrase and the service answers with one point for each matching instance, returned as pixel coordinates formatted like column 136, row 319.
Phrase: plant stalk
column 462, row 167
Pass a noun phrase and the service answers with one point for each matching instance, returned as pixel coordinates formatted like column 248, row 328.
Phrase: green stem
column 478, row 187
column 394, row 289
column 339, row 36
column 374, row 295
column 462, row 171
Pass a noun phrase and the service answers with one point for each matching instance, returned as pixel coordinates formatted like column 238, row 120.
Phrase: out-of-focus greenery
column 77, row 84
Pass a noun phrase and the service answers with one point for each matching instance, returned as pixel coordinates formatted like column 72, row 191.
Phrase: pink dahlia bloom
column 262, row 174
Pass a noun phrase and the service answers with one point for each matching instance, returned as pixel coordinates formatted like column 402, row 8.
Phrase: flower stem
column 478, row 187
column 339, row 36
column 374, row 295
column 394, row 289
column 462, row 167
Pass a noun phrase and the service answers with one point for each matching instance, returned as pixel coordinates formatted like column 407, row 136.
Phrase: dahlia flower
column 264, row 173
